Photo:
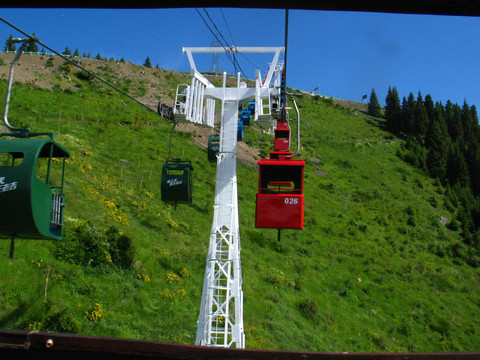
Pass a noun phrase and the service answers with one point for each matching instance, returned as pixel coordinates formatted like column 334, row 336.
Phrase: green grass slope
column 373, row 270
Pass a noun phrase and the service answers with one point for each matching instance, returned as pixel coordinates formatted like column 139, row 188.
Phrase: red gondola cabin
column 279, row 202
column 282, row 137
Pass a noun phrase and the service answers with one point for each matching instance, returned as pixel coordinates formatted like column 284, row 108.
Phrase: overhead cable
column 284, row 112
column 235, row 63
column 77, row 65
column 229, row 50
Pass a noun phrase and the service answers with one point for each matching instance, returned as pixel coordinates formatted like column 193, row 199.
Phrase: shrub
column 85, row 244
column 409, row 210
column 308, row 309
column 453, row 225
column 66, row 67
column 121, row 248
column 83, row 75
column 53, row 318
column 49, row 62
column 411, row 221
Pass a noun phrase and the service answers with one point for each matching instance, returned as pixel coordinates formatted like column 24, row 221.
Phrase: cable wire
column 233, row 42
column 228, row 28
column 228, row 49
column 34, row 38
column 284, row 82
column 234, row 61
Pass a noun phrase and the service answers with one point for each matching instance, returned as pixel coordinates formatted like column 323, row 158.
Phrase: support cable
column 284, row 112
column 228, row 50
column 284, row 90
column 34, row 38
column 228, row 28
column 233, row 43
column 170, row 143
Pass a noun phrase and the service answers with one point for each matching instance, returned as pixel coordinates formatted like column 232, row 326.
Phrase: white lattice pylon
column 220, row 322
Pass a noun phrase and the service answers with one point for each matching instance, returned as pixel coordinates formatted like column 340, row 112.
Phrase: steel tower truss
column 220, row 321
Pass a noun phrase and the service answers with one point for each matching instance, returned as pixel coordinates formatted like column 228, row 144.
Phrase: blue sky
column 344, row 54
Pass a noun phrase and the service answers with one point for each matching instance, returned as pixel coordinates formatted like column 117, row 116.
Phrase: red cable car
column 279, row 201
column 282, row 137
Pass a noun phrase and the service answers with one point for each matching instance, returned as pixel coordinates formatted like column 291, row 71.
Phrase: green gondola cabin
column 213, row 147
column 176, row 182
column 31, row 189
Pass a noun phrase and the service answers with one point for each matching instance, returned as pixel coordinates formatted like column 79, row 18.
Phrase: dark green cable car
column 31, row 180
column 31, row 188
column 176, row 183
column 213, row 147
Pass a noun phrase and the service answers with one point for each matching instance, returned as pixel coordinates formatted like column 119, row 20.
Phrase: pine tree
column 9, row 44
column 392, row 110
column 31, row 45
column 76, row 53
column 437, row 144
column 420, row 117
column 457, row 169
column 67, row 51
column 453, row 115
column 429, row 106
column 374, row 108
column 474, row 168
column 147, row 63
column 466, row 210
column 407, row 123
column 413, row 152
column 471, row 146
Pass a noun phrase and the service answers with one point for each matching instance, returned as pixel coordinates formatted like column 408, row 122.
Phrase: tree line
column 443, row 140
column 31, row 46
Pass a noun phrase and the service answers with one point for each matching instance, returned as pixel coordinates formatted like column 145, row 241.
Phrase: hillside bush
column 85, row 244
column 66, row 67
column 49, row 62
column 83, row 75
column 51, row 317
column 308, row 309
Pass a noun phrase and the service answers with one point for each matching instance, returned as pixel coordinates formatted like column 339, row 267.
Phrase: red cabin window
column 280, row 194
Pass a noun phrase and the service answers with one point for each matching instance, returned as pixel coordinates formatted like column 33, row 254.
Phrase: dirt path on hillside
column 42, row 70
column 39, row 70
column 246, row 155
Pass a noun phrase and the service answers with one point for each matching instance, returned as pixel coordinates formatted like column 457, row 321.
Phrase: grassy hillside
column 375, row 268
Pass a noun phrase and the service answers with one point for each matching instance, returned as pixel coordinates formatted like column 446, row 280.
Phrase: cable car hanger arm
column 22, row 131
column 9, row 88
column 298, row 126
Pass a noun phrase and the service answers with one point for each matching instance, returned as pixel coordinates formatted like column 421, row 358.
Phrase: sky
column 343, row 54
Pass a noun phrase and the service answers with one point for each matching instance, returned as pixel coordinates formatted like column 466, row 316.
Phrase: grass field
column 374, row 269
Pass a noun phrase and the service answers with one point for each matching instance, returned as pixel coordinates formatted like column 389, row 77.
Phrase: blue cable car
column 240, row 130
column 251, row 107
column 245, row 116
